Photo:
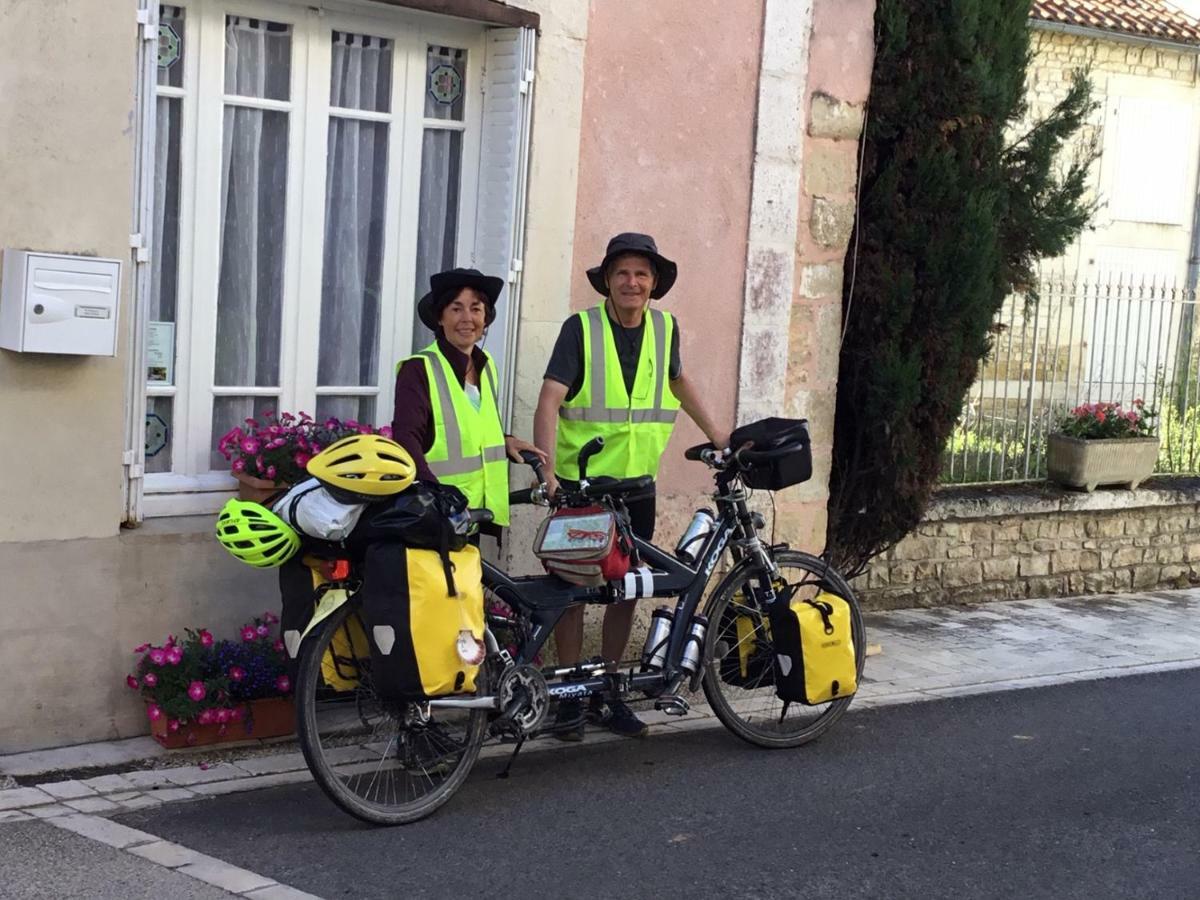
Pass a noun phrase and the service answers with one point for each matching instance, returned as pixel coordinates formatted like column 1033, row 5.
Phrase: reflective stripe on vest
column 479, row 471
column 636, row 428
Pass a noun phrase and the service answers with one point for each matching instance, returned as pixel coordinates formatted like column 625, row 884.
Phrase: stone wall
column 1005, row 543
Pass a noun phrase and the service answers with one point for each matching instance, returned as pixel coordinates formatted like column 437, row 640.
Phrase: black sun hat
column 642, row 245
column 444, row 286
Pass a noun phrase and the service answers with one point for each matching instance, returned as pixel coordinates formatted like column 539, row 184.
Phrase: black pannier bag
column 788, row 442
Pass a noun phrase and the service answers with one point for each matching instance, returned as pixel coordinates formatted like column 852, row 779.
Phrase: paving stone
column 18, row 797
column 269, row 765
column 49, row 811
column 67, row 790
column 254, row 783
column 167, row 854
column 106, row 831
column 188, row 775
column 280, row 892
column 223, row 875
column 170, row 794
column 148, row 778
column 140, row 802
column 106, row 784
column 92, row 805
column 13, row 815
column 122, row 796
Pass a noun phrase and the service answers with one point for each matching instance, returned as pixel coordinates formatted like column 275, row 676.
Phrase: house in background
column 1144, row 60
column 275, row 180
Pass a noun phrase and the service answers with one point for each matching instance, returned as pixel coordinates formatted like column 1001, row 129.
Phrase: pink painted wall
column 670, row 89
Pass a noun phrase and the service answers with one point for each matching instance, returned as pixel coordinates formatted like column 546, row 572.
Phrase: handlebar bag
column 814, row 651
column 413, row 621
column 586, row 545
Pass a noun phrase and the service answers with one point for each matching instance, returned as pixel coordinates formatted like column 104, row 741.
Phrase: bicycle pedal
column 672, row 705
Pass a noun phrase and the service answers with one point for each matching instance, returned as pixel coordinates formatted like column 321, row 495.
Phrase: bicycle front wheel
column 383, row 761
column 740, row 686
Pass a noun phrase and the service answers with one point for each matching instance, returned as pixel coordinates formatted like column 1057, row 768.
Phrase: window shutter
column 503, row 170
column 1154, row 140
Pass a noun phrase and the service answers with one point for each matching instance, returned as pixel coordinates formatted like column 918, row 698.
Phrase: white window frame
column 191, row 488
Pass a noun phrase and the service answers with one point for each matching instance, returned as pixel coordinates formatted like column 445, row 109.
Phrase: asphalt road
column 1086, row 790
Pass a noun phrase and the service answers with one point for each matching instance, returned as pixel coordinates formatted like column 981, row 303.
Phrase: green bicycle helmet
column 255, row 535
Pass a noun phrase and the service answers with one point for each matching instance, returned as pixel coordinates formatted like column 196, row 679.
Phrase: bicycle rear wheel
column 382, row 761
column 745, row 702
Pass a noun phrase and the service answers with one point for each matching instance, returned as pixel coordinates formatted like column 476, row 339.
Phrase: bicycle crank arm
column 466, row 703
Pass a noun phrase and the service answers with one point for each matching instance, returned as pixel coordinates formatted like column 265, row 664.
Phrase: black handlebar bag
column 790, row 449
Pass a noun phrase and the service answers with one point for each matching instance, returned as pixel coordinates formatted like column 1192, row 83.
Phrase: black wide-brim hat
column 642, row 245
column 444, row 287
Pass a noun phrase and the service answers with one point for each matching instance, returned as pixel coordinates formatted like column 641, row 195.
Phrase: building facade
column 277, row 179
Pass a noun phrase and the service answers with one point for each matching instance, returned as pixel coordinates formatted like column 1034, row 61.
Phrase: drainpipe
column 1187, row 318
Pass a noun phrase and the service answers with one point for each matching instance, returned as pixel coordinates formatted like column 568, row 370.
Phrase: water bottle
column 702, row 525
column 654, row 653
column 693, row 647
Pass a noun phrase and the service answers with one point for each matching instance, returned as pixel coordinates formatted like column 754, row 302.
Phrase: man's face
column 631, row 278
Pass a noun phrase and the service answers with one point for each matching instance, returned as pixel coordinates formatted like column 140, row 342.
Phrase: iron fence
column 1072, row 343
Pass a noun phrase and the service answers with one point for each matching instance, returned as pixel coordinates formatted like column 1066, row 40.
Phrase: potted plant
column 1103, row 443
column 268, row 455
column 199, row 690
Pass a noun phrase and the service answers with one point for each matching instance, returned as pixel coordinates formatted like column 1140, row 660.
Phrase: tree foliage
column 960, row 195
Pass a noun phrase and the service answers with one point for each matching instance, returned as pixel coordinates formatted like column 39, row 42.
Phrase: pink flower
column 174, row 656
column 206, row 638
column 197, row 690
column 248, row 633
column 1100, row 416
column 236, row 673
column 253, row 423
column 250, row 445
column 270, row 618
column 131, row 682
column 150, row 679
column 172, row 725
column 301, row 460
column 235, row 714
column 222, row 715
column 262, row 630
column 277, row 646
column 316, row 448
column 271, row 473
column 283, row 684
column 158, row 656
column 153, row 712
column 191, row 738
column 142, row 649
column 222, row 729
column 239, row 465
column 260, row 462
column 205, row 717
column 386, row 431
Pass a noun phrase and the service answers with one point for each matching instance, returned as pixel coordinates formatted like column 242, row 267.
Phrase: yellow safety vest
column 468, row 444
column 635, row 428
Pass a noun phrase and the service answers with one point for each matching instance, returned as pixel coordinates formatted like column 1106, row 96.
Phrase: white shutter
column 1154, row 165
column 503, row 170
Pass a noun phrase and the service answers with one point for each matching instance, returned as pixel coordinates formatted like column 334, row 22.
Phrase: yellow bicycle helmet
column 363, row 467
column 255, row 535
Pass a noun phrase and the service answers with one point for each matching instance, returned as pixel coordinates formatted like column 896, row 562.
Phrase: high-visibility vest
column 635, row 427
column 468, row 444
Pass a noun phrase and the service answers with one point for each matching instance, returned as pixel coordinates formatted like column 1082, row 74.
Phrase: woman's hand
column 513, row 446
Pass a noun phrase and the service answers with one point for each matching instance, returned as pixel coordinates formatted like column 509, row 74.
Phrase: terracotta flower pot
column 258, row 490
column 1080, row 463
column 271, row 717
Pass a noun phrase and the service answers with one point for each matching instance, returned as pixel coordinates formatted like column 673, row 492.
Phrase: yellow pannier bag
column 415, row 605
column 814, row 650
column 340, row 666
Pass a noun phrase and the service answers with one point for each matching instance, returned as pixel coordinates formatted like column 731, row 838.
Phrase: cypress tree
column 960, row 195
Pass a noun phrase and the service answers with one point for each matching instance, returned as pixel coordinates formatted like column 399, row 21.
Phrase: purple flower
column 283, row 684
column 262, row 630
column 236, row 673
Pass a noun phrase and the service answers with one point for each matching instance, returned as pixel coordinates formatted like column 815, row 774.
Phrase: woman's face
column 464, row 318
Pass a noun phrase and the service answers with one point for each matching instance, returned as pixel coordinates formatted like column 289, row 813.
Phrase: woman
column 447, row 413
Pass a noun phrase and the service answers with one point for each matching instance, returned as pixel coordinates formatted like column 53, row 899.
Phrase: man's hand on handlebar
column 513, row 447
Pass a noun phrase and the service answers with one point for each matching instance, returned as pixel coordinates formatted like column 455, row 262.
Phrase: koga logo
column 834, row 643
column 716, row 555
column 568, row 690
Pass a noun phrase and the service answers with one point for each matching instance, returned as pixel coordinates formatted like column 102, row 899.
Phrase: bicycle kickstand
column 512, row 759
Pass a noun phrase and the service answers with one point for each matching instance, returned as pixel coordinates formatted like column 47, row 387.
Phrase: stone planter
column 271, row 717
column 1080, row 463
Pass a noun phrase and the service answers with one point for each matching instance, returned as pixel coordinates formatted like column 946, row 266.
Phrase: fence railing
column 1073, row 343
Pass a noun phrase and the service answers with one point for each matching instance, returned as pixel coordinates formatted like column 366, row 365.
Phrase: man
column 615, row 372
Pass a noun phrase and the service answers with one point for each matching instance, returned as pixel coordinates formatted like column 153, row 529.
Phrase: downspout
column 1187, row 321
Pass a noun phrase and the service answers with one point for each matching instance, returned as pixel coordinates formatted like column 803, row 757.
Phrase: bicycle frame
column 542, row 600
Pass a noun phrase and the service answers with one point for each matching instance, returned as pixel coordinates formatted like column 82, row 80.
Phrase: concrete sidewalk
column 924, row 655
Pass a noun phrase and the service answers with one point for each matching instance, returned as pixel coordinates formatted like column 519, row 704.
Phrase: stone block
column 902, row 574
column 1065, row 561
column 1173, row 553
column 960, row 551
column 821, row 280
column 1033, row 566
column 1175, row 576
column 1109, row 527
column 1134, row 527
column 830, row 117
column 1089, row 560
column 1145, row 577
column 957, row 574
column 925, row 571
column 832, row 222
column 1000, row 569
column 830, row 167
column 1046, row 587
column 1127, row 556
column 1045, row 546
column 1098, row 582
column 983, row 549
column 1029, row 531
